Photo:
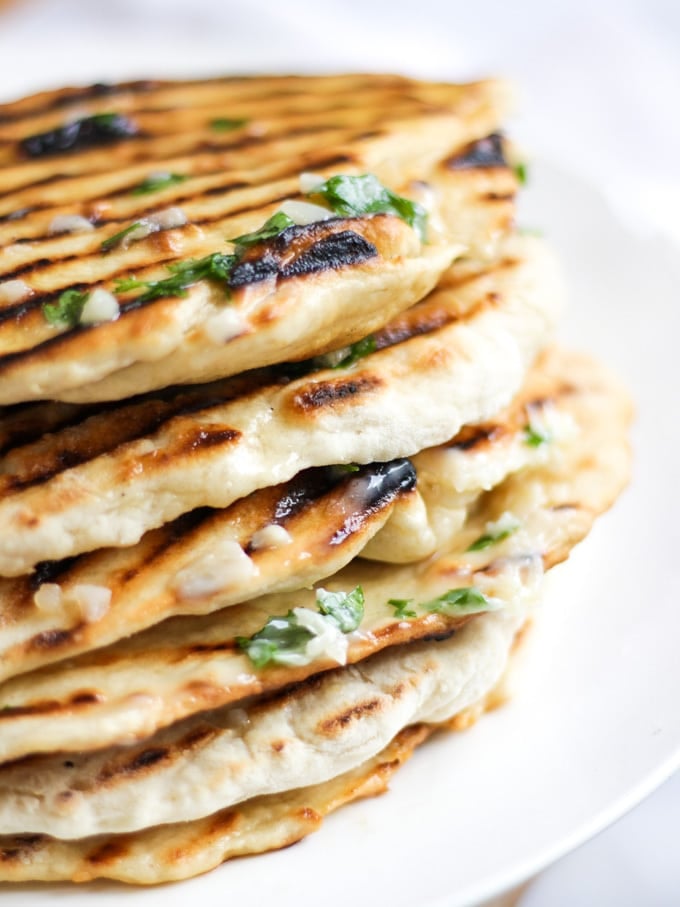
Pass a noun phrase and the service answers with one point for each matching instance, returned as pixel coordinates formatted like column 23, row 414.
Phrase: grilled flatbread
column 315, row 287
column 280, row 538
column 138, row 466
column 318, row 730
column 173, row 852
column 127, row 691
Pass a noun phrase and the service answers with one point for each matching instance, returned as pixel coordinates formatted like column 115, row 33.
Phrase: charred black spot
column 247, row 272
column 329, row 252
column 88, row 132
column 85, row 697
column 328, row 393
column 205, row 438
column 51, row 639
column 228, row 645
column 335, row 251
column 381, row 483
column 486, row 152
column 147, row 758
column 20, row 847
column 49, row 571
column 19, row 214
column 302, row 491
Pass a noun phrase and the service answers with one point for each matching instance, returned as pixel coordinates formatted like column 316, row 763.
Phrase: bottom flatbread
column 170, row 853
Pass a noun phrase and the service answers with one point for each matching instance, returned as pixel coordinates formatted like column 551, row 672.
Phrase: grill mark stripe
column 63, row 97
column 244, row 143
column 125, row 431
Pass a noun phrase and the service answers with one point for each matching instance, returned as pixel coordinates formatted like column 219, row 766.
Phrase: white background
column 599, row 85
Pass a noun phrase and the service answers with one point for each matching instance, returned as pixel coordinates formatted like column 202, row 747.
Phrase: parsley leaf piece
column 112, row 241
column 227, row 124
column 280, row 637
column 184, row 274
column 66, row 311
column 466, row 600
column 358, row 350
column 283, row 639
column 401, row 607
column 521, row 172
column 351, row 196
column 125, row 284
column 536, row 435
column 276, row 224
column 489, row 539
column 345, row 608
column 495, row 532
column 158, row 181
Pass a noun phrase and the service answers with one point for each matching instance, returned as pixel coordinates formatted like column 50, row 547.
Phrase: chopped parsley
column 280, row 638
column 521, row 172
column 66, row 311
column 536, row 434
column 402, row 607
column 227, row 124
column 184, row 274
column 345, row 608
column 466, row 600
column 113, row 241
column 352, row 196
column 495, row 532
column 358, row 350
column 284, row 640
column 276, row 224
column 158, row 181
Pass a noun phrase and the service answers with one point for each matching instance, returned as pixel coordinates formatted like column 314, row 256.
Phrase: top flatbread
column 330, row 283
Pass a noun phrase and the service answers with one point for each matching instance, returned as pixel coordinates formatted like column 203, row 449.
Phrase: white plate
column 595, row 725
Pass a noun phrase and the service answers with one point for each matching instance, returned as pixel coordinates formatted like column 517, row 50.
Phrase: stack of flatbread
column 285, row 451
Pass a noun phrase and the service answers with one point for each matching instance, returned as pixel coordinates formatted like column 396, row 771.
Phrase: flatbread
column 135, row 467
column 318, row 730
column 199, row 563
column 333, row 283
column 173, row 852
column 127, row 691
